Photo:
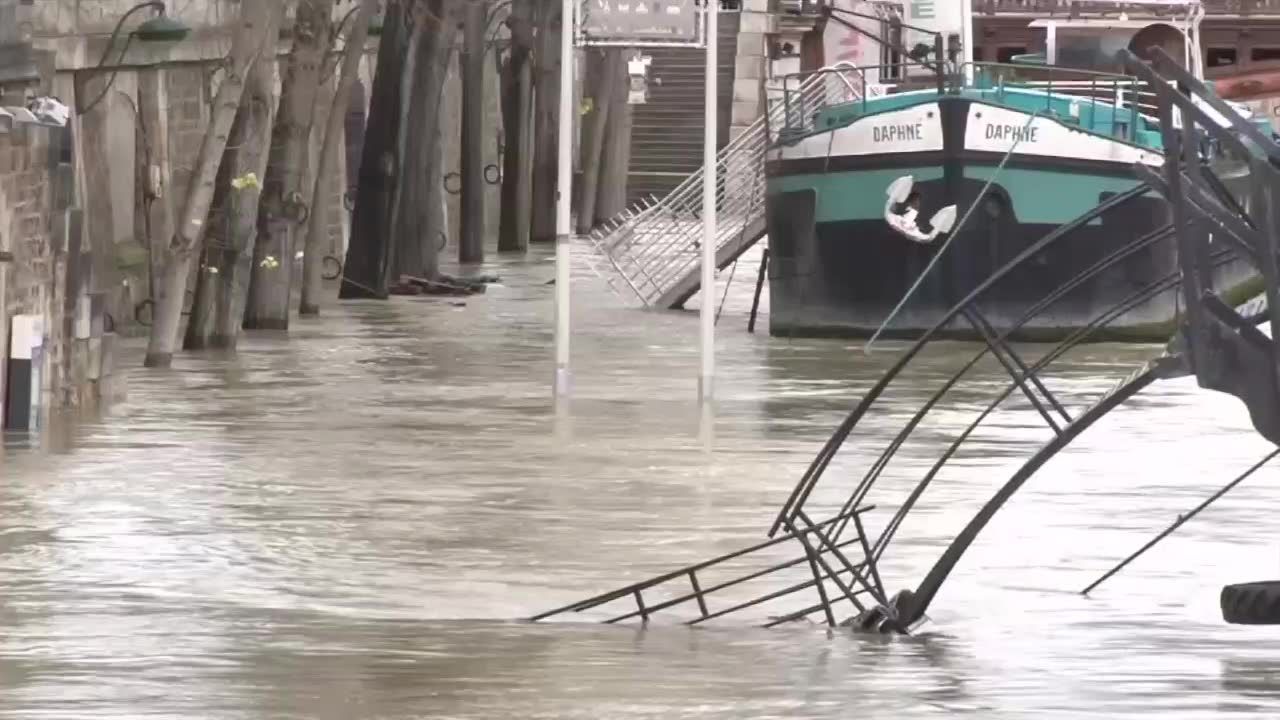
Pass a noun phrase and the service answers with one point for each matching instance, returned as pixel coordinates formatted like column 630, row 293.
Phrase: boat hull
column 838, row 269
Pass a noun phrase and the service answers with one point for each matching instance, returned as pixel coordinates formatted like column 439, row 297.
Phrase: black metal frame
column 866, row 579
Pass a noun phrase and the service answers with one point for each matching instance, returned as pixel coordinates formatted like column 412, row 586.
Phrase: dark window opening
column 1220, row 57
column 1006, row 54
column 890, row 58
column 1264, row 54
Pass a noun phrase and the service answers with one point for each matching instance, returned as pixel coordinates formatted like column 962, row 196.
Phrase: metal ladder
column 654, row 246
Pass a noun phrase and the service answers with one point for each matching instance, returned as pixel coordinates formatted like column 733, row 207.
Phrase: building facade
column 1236, row 35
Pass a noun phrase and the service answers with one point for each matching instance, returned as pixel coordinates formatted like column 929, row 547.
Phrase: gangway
column 655, row 245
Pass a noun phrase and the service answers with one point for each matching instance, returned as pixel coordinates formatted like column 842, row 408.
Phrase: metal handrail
column 651, row 245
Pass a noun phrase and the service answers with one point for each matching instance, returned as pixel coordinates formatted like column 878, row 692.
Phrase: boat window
column 1220, row 57
column 890, row 58
column 1264, row 54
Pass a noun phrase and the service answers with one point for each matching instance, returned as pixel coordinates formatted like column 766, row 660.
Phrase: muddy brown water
column 350, row 522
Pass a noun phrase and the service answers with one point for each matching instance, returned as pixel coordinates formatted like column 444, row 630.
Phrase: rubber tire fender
column 1255, row 603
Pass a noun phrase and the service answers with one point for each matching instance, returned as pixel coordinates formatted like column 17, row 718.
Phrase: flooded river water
column 349, row 523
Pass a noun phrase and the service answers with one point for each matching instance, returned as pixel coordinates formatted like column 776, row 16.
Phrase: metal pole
column 709, row 177
column 564, row 185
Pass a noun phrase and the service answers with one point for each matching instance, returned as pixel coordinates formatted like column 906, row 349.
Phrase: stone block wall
column 751, row 64
column 28, row 284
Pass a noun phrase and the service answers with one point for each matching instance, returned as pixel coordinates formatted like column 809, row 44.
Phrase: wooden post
column 472, row 225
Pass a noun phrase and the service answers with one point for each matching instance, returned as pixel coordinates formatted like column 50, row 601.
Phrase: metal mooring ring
column 296, row 209
column 328, row 262
column 453, row 190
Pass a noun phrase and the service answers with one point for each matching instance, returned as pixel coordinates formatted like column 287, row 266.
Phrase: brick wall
column 51, row 273
column 28, row 284
column 187, row 89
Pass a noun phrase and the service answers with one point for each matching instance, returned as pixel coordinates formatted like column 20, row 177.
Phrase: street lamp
column 159, row 29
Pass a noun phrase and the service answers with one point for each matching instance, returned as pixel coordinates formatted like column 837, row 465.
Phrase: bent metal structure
column 1220, row 345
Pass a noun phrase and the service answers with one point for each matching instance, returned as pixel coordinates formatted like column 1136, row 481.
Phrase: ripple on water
column 342, row 524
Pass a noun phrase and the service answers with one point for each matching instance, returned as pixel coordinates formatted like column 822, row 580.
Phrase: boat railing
column 802, row 96
column 1102, row 101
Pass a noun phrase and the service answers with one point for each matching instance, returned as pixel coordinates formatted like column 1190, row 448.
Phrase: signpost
column 636, row 24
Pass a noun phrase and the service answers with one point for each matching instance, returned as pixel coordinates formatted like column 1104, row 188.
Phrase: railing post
column 697, row 591
column 644, row 612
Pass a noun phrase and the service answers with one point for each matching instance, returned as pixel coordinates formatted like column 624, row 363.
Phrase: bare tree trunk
column 547, row 115
column 414, row 235
column 364, row 273
column 472, row 221
column 222, row 281
column 313, row 259
column 436, row 232
column 517, row 125
column 611, row 198
column 253, row 34
column 602, row 72
column 283, row 206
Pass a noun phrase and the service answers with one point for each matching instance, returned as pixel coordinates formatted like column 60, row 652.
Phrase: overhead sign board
column 637, row 23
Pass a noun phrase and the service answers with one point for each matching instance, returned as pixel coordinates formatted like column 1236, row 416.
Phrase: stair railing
column 655, row 243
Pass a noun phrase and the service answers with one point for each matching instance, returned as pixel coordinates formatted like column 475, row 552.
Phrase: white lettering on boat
column 1013, row 133
column 896, row 133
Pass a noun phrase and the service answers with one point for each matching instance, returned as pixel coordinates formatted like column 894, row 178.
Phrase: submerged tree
column 222, row 279
column 252, row 34
column 393, row 230
column 517, row 127
column 312, row 263
column 546, row 121
column 283, row 207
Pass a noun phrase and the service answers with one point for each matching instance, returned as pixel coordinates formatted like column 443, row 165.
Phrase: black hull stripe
column 845, row 163
column 953, row 157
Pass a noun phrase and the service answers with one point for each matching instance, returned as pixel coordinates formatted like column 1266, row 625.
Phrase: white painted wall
column 842, row 44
